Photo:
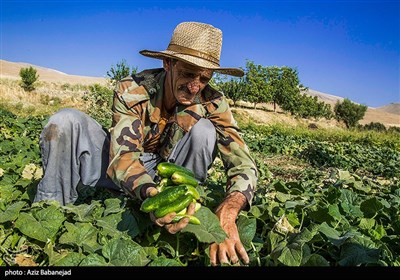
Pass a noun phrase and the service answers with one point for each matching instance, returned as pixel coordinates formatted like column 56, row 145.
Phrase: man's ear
column 167, row 64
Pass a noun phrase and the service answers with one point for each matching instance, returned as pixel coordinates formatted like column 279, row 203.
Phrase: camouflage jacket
column 136, row 109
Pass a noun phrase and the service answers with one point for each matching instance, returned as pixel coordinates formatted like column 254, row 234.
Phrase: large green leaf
column 42, row 225
column 333, row 235
column 113, row 205
column 354, row 254
column 69, row 259
column 371, row 207
column 210, row 230
column 291, row 255
column 61, row 257
column 247, row 229
column 119, row 223
column 85, row 212
column 163, row 261
column 11, row 212
column 123, row 252
column 349, row 201
column 81, row 235
column 315, row 260
column 93, row 260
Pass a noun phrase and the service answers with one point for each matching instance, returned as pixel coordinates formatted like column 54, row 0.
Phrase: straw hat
column 198, row 44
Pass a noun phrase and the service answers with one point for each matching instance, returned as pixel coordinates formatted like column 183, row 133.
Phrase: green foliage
column 286, row 88
column 233, row 88
column 377, row 126
column 99, row 102
column 310, row 107
column 349, row 112
column 279, row 85
column 343, row 211
column 28, row 78
column 120, row 71
column 256, row 83
column 394, row 129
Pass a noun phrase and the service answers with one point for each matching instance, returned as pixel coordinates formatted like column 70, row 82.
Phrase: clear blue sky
column 345, row 48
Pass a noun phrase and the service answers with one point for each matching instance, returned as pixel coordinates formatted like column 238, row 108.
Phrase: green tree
column 349, row 112
column 232, row 88
column 311, row 107
column 28, row 78
column 256, row 83
column 119, row 71
column 287, row 89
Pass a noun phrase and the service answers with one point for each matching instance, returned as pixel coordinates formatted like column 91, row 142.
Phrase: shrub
column 377, row 126
column 29, row 76
column 120, row 71
column 349, row 112
column 99, row 100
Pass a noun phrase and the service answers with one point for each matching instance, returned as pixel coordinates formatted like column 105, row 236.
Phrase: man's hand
column 232, row 249
column 166, row 221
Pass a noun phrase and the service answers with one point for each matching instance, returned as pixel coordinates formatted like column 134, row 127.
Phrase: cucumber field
column 324, row 198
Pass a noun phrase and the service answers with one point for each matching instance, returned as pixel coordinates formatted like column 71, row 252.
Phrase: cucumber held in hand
column 179, row 178
column 166, row 169
column 192, row 219
column 175, row 206
column 165, row 183
column 197, row 207
column 163, row 198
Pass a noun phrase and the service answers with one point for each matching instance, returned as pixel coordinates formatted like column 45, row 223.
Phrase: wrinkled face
column 187, row 81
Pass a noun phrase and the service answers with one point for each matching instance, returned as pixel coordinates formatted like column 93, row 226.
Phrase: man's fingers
column 213, row 254
column 172, row 228
column 242, row 253
column 175, row 227
column 163, row 220
column 226, row 253
column 232, row 255
column 151, row 191
column 191, row 208
column 222, row 254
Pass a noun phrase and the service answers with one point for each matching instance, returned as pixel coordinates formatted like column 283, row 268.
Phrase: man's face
column 187, row 81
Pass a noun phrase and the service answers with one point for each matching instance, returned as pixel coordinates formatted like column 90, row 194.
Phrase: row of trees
column 281, row 86
column 277, row 85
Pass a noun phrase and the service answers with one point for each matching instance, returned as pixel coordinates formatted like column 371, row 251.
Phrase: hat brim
column 237, row 72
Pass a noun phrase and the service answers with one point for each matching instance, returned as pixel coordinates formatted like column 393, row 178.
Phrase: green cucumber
column 164, row 183
column 197, row 207
column 166, row 169
column 192, row 219
column 193, row 191
column 175, row 206
column 165, row 197
column 179, row 178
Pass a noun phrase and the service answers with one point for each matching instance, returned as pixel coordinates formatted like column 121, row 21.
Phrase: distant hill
column 10, row 70
column 393, row 108
column 389, row 115
column 327, row 98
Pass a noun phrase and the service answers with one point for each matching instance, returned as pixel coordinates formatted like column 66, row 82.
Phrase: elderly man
column 167, row 114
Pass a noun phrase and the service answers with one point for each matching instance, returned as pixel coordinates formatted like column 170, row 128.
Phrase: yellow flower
column 31, row 171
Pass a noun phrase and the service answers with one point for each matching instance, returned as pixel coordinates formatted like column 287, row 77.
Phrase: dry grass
column 262, row 117
column 46, row 99
column 57, row 90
